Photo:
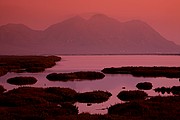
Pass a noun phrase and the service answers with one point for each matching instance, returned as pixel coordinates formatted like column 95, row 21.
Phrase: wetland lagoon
column 110, row 85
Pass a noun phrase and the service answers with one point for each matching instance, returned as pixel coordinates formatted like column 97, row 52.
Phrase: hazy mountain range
column 98, row 35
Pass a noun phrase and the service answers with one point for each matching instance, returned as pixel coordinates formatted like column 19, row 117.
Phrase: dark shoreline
column 117, row 54
column 30, row 64
column 141, row 71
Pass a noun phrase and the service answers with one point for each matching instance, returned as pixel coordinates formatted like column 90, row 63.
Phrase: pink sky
column 163, row 15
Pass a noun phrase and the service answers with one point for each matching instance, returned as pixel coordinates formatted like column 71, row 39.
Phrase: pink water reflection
column 95, row 62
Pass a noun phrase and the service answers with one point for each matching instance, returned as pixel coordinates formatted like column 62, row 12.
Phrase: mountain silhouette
column 99, row 34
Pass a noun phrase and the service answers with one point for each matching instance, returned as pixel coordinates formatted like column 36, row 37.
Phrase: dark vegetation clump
column 128, row 109
column 2, row 89
column 132, row 95
column 44, row 103
column 57, row 103
column 22, row 80
column 175, row 90
column 169, row 72
column 35, row 69
column 75, row 76
column 121, row 70
column 52, row 94
column 26, row 63
column 88, row 116
column 67, row 94
column 93, row 97
column 3, row 71
column 158, row 108
column 144, row 86
column 37, row 103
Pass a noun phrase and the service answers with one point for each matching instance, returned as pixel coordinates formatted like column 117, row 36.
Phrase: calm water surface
column 111, row 83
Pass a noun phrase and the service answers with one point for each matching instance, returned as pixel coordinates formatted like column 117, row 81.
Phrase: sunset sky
column 163, row 15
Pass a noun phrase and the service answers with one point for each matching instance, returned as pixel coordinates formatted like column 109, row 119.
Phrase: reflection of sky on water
column 111, row 83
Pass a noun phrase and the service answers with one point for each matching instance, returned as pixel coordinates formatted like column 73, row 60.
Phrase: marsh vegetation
column 26, row 63
column 2, row 89
column 175, row 90
column 93, row 97
column 169, row 72
column 83, row 75
column 22, row 80
column 62, row 103
column 158, row 108
column 132, row 95
column 144, row 86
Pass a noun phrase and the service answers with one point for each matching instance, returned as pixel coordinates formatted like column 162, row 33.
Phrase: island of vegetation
column 144, row 86
column 93, row 97
column 175, row 90
column 26, row 63
column 169, row 72
column 22, row 80
column 88, row 75
column 132, row 95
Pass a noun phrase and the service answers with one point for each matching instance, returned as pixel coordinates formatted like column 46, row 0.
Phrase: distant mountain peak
column 13, row 25
column 100, row 34
column 16, row 27
column 137, row 22
column 71, row 21
column 102, row 18
column 97, row 16
column 76, row 18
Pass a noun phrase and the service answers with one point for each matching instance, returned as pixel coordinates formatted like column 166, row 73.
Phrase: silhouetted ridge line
column 100, row 34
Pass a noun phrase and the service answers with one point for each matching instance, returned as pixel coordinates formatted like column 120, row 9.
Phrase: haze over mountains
column 98, row 35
